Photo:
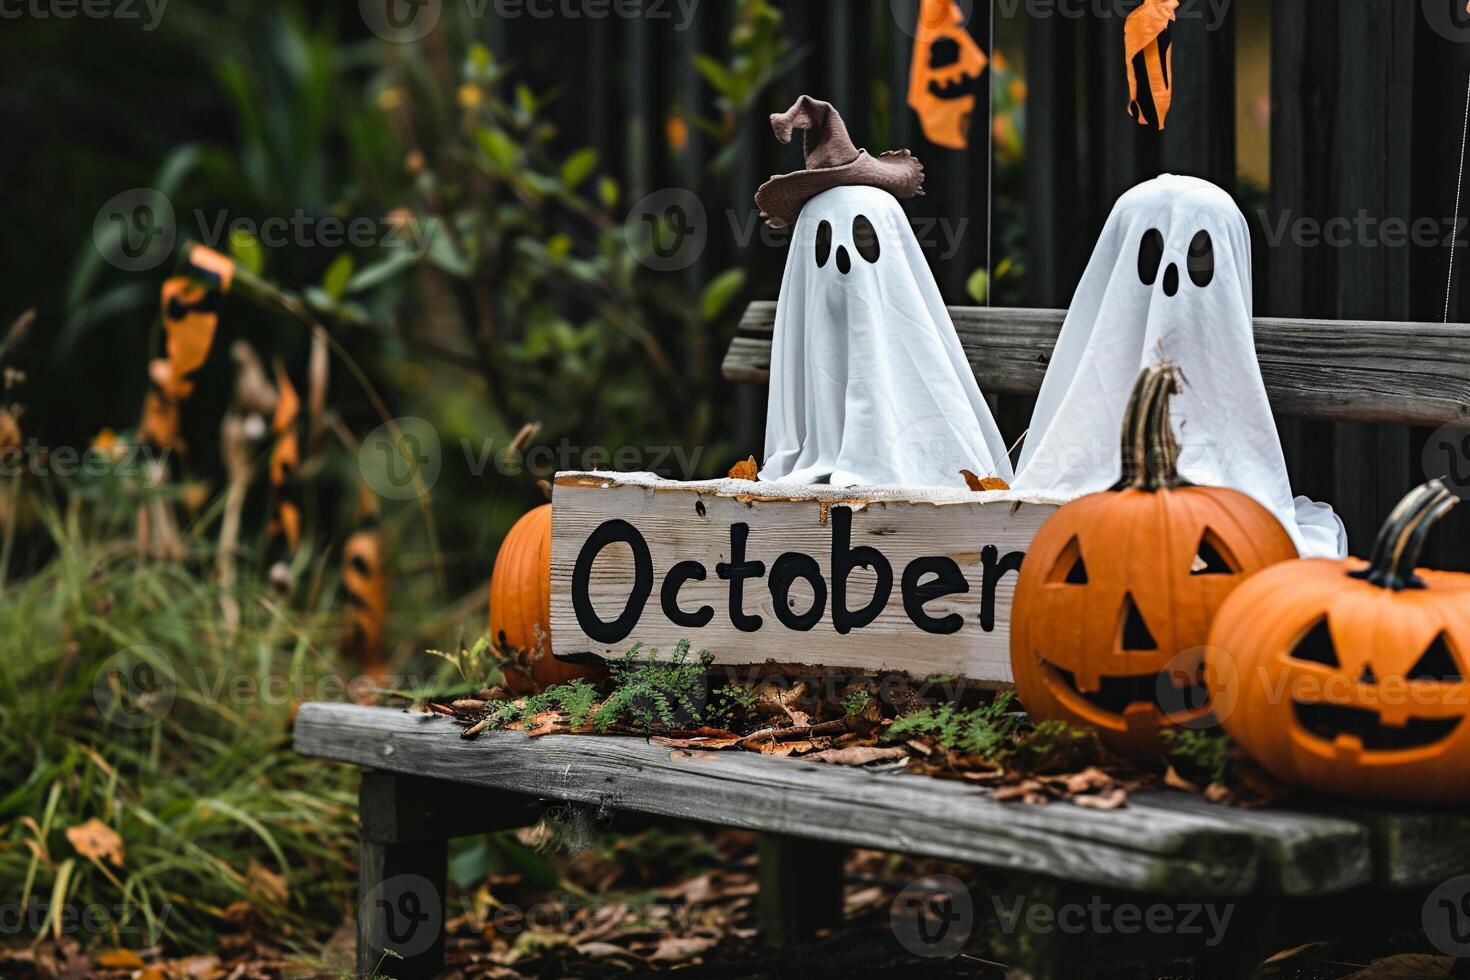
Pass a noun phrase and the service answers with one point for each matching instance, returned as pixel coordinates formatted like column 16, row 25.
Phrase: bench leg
column 405, row 826
column 800, row 889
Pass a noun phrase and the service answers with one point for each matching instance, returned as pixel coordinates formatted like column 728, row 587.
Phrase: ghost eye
column 1202, row 260
column 824, row 243
column 1150, row 256
column 865, row 238
column 1316, row 646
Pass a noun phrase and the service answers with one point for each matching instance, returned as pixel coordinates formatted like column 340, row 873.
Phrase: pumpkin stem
column 1401, row 540
column 1150, row 451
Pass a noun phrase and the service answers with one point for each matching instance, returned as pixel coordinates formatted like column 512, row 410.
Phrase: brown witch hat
column 831, row 161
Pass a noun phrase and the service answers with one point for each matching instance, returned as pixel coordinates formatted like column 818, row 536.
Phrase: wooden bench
column 1285, row 876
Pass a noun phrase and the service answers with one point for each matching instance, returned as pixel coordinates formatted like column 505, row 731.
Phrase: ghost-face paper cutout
column 869, row 384
column 1169, row 280
column 946, row 63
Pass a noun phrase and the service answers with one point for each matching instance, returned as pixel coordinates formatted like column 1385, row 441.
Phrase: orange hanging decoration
column 946, row 61
column 285, row 458
column 365, row 585
column 190, row 327
column 1149, row 52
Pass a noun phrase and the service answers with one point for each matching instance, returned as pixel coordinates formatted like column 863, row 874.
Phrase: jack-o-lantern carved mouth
column 1330, row 722
column 1116, row 694
column 957, row 89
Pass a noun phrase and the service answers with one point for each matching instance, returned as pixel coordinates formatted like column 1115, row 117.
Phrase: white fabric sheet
column 869, row 384
column 1123, row 317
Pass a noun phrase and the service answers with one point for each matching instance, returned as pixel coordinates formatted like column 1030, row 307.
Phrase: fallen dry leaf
column 688, row 754
column 984, row 482
column 675, row 949
column 264, row 885
column 120, row 959
column 1113, row 799
column 746, row 469
column 1406, row 966
column 97, row 841
column 858, row 755
column 1173, row 780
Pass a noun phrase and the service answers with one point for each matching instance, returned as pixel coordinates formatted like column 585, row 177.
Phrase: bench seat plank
column 1325, row 370
column 1161, row 843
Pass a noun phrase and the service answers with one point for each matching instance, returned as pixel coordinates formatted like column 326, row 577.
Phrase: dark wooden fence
column 1366, row 108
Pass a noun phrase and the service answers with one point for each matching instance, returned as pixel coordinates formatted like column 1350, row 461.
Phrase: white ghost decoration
column 1170, row 279
column 869, row 384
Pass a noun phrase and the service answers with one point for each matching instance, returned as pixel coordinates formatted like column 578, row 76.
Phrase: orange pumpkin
column 1115, row 597
column 1352, row 675
column 520, row 606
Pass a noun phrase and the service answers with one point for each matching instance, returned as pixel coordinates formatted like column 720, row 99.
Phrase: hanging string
column 990, row 158
column 1449, row 285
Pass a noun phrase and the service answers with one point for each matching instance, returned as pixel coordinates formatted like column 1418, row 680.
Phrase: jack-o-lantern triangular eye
column 1437, row 664
column 1212, row 557
column 1069, row 569
column 1316, row 646
column 1133, row 633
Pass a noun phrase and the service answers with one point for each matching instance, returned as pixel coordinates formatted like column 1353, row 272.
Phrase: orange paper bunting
column 946, row 61
column 1150, row 56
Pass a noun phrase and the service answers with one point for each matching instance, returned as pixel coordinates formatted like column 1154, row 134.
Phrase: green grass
column 197, row 791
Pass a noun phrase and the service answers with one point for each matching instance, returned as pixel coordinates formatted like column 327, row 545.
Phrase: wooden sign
column 920, row 583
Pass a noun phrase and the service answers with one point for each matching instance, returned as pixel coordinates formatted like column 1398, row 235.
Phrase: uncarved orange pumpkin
column 1115, row 597
column 520, row 605
column 1352, row 674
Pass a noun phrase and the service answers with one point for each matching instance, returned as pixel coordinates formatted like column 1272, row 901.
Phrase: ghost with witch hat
column 1169, row 280
column 869, row 384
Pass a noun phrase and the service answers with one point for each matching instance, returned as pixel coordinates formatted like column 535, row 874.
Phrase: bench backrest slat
column 1324, row 370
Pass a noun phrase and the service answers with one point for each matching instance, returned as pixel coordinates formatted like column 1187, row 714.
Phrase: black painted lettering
column 995, row 568
column 784, row 572
column 608, row 533
column 844, row 559
column 948, row 580
column 737, row 570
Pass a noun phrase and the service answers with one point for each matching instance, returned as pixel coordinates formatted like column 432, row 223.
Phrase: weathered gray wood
column 800, row 889
column 983, row 535
column 401, row 880
column 1416, row 850
column 1302, row 853
column 1153, row 845
column 1328, row 370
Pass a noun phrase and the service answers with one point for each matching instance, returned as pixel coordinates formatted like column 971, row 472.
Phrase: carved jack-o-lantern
column 1115, row 597
column 946, row 61
column 1353, row 677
